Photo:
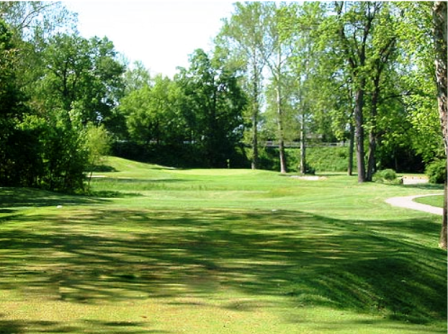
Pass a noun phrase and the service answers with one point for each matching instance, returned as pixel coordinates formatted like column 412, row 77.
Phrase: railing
column 295, row 144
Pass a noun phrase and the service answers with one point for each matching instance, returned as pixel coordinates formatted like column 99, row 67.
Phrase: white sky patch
column 159, row 33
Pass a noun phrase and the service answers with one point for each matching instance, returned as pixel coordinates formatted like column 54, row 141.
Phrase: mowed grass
column 159, row 250
column 431, row 200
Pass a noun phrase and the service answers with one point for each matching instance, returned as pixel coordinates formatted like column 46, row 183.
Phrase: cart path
column 408, row 203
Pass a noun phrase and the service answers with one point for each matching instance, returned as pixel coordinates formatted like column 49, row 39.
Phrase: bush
column 328, row 159
column 436, row 171
column 386, row 175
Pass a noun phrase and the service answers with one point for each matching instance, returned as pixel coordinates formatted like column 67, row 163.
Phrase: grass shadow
column 131, row 185
column 119, row 255
column 113, row 194
column 102, row 169
column 29, row 197
column 423, row 186
column 88, row 326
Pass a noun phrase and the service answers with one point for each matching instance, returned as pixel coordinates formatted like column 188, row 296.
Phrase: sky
column 159, row 33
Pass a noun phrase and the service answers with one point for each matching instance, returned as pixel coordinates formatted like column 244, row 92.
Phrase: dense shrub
column 318, row 159
column 323, row 159
column 436, row 171
column 386, row 175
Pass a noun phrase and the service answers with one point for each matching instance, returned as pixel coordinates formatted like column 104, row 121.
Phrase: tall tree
column 78, row 87
column 245, row 30
column 440, row 27
column 384, row 46
column 276, row 51
column 366, row 42
column 301, row 25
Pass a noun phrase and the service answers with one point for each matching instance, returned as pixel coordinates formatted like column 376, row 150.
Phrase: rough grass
column 159, row 250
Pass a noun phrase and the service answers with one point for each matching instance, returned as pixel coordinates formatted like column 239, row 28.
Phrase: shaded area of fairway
column 98, row 257
column 14, row 199
column 94, row 327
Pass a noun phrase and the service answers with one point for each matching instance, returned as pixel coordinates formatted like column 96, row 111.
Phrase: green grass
column 431, row 200
column 159, row 250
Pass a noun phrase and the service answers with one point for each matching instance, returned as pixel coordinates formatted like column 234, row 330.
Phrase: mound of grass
column 219, row 251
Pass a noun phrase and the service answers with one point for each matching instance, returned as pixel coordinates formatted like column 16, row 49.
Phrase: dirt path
column 408, row 203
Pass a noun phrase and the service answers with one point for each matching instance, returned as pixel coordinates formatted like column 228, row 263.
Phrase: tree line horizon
column 360, row 72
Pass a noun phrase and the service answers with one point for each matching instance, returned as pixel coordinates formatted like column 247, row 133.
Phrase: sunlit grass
column 159, row 250
column 431, row 200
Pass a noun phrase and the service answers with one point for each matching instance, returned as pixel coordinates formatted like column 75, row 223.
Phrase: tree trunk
column 371, row 156
column 255, row 113
column 443, row 232
column 439, row 11
column 351, row 149
column 359, row 132
column 371, row 159
column 281, row 145
column 302, row 146
column 254, row 143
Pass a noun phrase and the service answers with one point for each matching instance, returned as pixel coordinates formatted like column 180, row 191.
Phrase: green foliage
column 437, row 172
column 16, row 145
column 98, row 144
column 328, row 159
column 213, row 107
column 64, row 153
column 48, row 138
column 278, row 71
column 385, row 175
column 242, row 37
column 153, row 113
column 319, row 159
column 84, row 72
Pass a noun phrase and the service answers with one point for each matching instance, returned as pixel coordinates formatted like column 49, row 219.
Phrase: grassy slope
column 219, row 251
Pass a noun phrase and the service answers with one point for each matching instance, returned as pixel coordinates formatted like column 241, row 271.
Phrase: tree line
column 359, row 72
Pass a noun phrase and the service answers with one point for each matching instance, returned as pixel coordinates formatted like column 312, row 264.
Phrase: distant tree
column 134, row 108
column 153, row 113
column 214, row 106
column 82, row 71
column 245, row 32
column 276, row 50
column 136, row 77
column 32, row 24
column 301, row 26
column 36, row 21
column 97, row 144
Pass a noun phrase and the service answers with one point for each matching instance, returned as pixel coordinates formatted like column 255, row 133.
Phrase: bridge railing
column 296, row 144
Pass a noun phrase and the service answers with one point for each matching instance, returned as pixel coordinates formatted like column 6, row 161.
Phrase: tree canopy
column 360, row 73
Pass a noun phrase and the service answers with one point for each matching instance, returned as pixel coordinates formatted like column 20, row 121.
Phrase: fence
column 295, row 144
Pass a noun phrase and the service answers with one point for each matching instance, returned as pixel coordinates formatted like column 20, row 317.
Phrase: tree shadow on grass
column 90, row 326
column 423, row 186
column 118, row 186
column 27, row 197
column 307, row 260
